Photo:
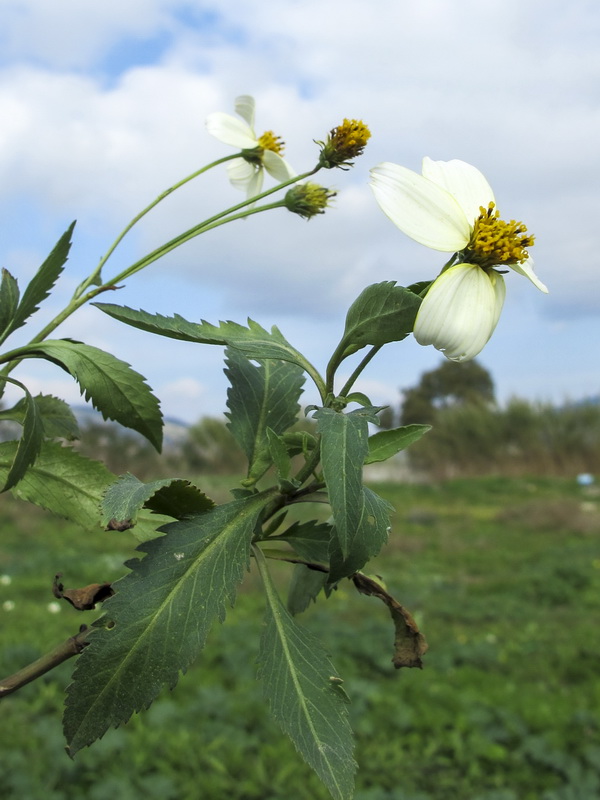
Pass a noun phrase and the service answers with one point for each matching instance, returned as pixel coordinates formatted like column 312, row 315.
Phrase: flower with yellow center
column 258, row 153
column 345, row 142
column 451, row 207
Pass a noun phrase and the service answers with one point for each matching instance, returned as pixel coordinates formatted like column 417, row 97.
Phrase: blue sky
column 102, row 106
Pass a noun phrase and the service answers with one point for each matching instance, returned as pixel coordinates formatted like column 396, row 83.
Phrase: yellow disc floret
column 350, row 138
column 495, row 242
column 268, row 141
column 345, row 142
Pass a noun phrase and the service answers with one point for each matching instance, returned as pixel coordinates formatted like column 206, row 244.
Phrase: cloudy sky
column 102, row 106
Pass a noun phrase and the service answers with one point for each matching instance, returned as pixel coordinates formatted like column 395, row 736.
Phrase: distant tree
column 210, row 446
column 387, row 417
column 451, row 384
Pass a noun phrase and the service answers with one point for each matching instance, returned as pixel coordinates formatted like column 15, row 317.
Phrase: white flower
column 451, row 207
column 259, row 153
column 460, row 311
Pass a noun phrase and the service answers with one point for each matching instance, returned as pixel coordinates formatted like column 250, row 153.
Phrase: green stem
column 351, row 380
column 187, row 236
column 449, row 263
column 334, row 362
column 79, row 299
column 310, row 465
column 71, row 647
column 208, row 224
column 96, row 273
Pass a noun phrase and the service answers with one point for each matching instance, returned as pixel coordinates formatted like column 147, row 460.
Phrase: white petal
column 464, row 182
column 230, row 130
column 460, row 311
column 240, row 173
column 420, row 208
column 277, row 167
column 526, row 268
column 255, row 185
column 500, row 293
column 244, row 106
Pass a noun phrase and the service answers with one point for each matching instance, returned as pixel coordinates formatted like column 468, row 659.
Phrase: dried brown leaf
column 409, row 643
column 85, row 598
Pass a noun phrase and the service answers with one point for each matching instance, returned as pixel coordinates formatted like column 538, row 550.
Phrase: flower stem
column 94, row 276
column 351, row 380
column 208, row 224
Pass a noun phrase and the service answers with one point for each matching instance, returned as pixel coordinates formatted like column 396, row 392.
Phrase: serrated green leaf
column 28, row 446
column 385, row 444
column 305, row 585
column 162, row 613
column 9, row 301
column 304, row 694
column 310, row 540
column 171, row 496
column 371, row 535
column 254, row 341
column 115, row 389
column 343, row 451
column 260, row 396
column 382, row 313
column 42, row 282
column 420, row 288
column 57, row 418
column 62, row 481
column 279, row 455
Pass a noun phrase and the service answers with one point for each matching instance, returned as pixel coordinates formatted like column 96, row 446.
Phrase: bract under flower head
column 259, row 153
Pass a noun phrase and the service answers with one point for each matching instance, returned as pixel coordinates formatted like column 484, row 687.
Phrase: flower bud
column 308, row 199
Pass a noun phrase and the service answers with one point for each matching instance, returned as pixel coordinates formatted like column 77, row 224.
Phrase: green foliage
column 385, row 444
column 254, row 341
column 305, row 695
column 382, row 313
column 30, row 443
column 209, row 447
column 114, row 388
column 520, row 439
column 156, row 618
column 67, row 484
column 507, row 706
column 159, row 618
column 175, row 498
column 449, row 385
column 261, row 397
column 15, row 314
column 344, row 446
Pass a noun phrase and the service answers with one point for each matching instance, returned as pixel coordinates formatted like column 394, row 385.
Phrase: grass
column 502, row 575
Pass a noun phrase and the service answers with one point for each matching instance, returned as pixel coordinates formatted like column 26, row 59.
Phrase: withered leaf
column 119, row 525
column 409, row 643
column 83, row 599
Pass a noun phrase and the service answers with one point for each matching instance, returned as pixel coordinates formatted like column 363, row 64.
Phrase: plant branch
column 351, row 380
column 95, row 275
column 71, row 647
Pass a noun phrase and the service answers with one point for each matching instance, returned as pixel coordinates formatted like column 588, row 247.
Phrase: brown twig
column 71, row 647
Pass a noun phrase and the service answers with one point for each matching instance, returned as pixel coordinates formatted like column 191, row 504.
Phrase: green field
column 503, row 577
